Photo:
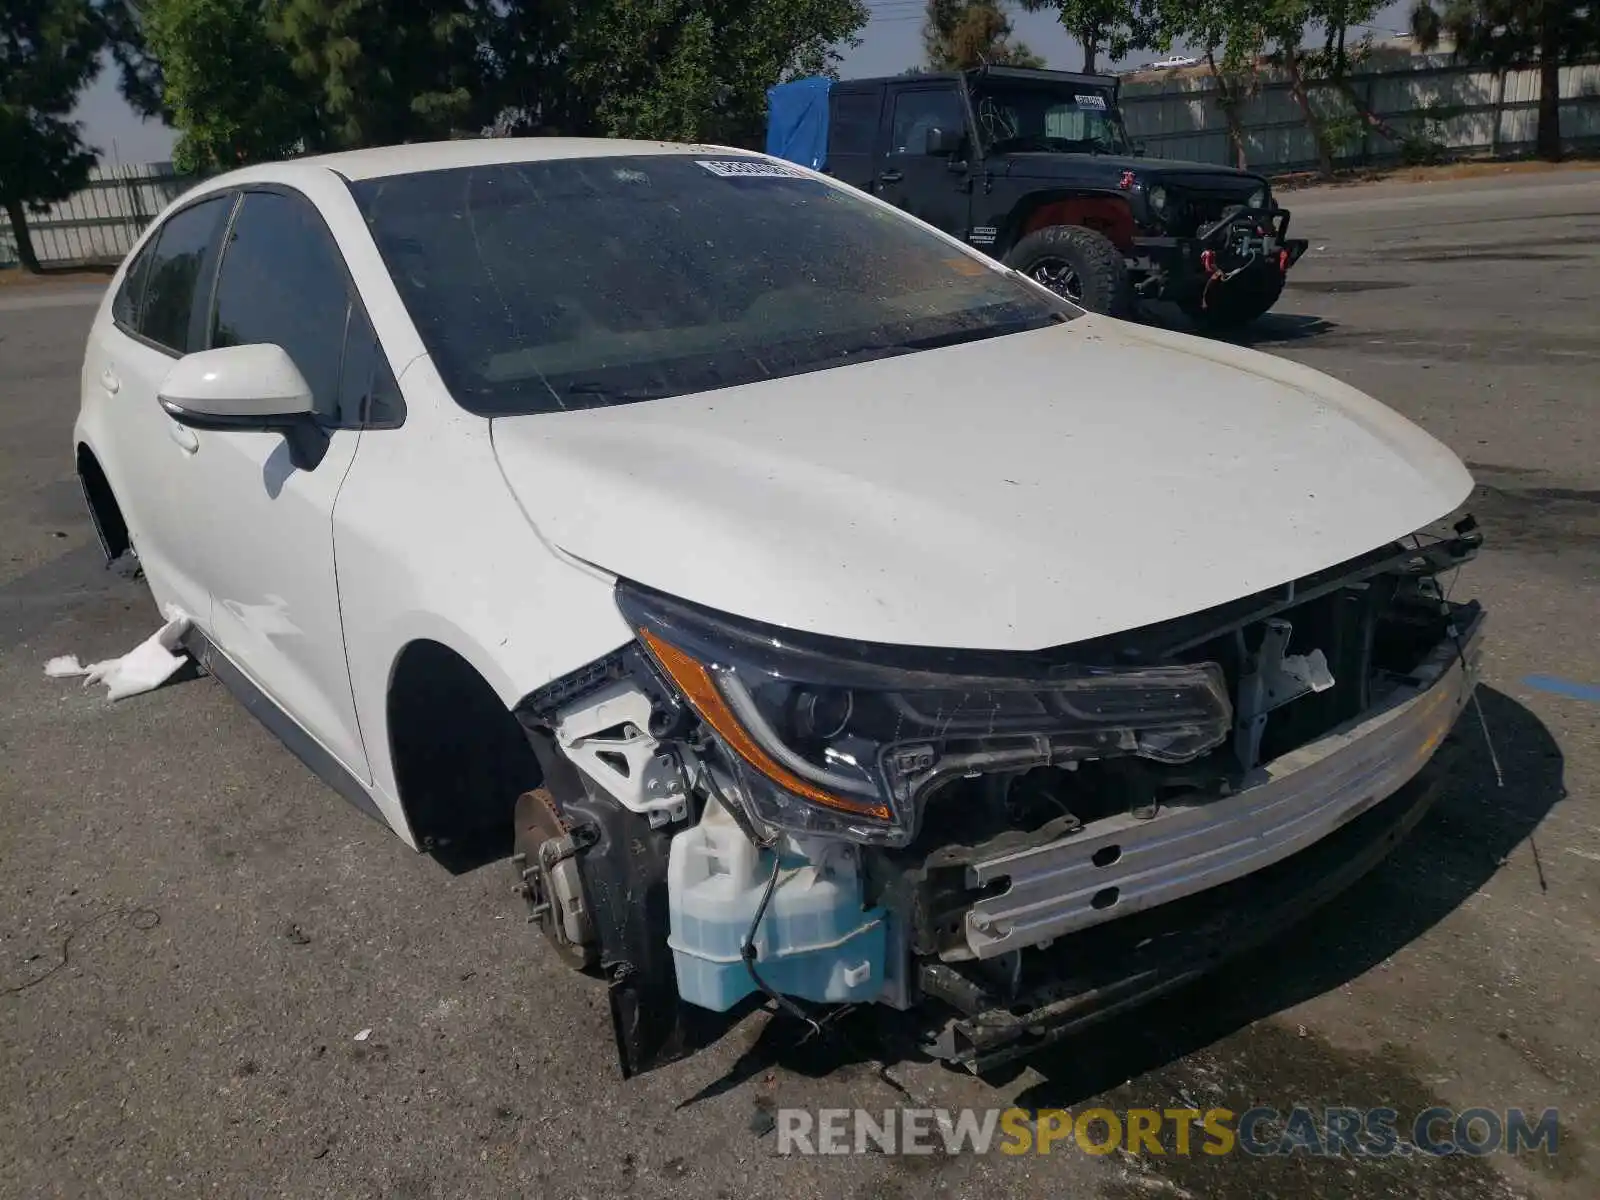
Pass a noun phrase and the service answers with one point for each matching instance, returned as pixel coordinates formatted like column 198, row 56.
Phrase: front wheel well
column 104, row 510
column 460, row 756
column 1110, row 215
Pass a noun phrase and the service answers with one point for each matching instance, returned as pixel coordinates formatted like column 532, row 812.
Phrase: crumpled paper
column 143, row 669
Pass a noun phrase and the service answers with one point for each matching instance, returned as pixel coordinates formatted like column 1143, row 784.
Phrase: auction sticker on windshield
column 1090, row 100
column 750, row 168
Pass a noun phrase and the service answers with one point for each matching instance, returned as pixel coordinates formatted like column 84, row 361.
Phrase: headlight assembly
column 1158, row 200
column 1258, row 198
column 845, row 739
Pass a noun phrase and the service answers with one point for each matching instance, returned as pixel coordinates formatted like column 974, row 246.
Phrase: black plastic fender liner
column 624, row 875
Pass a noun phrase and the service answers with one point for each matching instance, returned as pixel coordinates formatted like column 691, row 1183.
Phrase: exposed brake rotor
column 546, row 859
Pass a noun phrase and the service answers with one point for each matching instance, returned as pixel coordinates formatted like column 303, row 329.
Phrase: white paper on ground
column 143, row 669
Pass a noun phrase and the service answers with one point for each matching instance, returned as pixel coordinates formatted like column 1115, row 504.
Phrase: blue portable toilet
column 797, row 121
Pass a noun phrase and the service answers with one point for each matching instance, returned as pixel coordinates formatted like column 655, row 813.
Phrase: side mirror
column 941, row 143
column 236, row 387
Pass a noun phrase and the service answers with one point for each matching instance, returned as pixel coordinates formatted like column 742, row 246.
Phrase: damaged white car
column 829, row 614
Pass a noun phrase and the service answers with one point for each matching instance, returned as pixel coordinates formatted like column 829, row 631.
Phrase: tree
column 1332, row 64
column 1230, row 38
column 1285, row 26
column 694, row 70
column 1235, row 40
column 958, row 35
column 251, row 79
column 1504, row 33
column 382, row 72
column 49, row 51
column 1326, row 70
column 138, row 70
column 529, row 63
column 260, row 77
column 227, row 84
column 1114, row 26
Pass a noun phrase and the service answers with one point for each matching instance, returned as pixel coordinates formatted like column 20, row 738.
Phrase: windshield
column 1067, row 118
column 543, row 286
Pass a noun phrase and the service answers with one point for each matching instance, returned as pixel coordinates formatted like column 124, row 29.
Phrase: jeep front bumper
column 1175, row 268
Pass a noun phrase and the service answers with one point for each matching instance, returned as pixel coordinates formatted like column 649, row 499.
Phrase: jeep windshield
column 572, row 283
column 1021, row 115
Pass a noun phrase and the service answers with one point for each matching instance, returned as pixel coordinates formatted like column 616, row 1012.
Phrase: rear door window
column 178, row 289
column 855, row 123
column 853, row 134
column 130, row 296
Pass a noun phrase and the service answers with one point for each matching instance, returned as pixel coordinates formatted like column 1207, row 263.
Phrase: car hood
column 1042, row 165
column 1022, row 492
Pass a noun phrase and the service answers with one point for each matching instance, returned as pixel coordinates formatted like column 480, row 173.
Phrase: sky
column 890, row 43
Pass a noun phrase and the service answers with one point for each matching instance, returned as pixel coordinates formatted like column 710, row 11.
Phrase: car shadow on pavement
column 1273, row 329
column 1279, row 329
column 1474, row 826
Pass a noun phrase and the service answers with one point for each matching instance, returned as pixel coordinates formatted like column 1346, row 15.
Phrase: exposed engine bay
column 734, row 813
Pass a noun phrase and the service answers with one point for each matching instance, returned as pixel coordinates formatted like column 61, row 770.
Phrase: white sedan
column 821, row 612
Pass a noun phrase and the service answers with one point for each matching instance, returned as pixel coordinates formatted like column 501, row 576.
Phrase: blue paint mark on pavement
column 1563, row 687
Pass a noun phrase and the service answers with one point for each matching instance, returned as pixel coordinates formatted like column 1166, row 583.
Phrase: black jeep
column 1036, row 168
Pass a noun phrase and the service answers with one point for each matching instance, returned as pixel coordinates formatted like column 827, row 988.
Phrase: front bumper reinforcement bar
column 1125, row 864
column 1114, row 968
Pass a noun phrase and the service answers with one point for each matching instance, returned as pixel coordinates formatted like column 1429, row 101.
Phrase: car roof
column 381, row 161
column 975, row 74
column 1043, row 73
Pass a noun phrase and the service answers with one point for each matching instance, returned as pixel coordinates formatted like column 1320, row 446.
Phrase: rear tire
column 1234, row 305
column 1079, row 264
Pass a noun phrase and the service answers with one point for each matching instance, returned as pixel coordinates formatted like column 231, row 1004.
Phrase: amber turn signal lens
column 697, row 686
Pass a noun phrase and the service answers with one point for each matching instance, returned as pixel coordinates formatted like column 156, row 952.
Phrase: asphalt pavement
column 194, row 932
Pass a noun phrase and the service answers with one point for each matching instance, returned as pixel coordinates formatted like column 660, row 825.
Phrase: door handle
column 185, row 437
column 109, row 381
column 892, row 176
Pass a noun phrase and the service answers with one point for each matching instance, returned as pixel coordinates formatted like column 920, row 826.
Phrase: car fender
column 1103, row 212
column 457, row 563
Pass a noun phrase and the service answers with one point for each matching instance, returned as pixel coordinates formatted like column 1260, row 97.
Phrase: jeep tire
column 1078, row 263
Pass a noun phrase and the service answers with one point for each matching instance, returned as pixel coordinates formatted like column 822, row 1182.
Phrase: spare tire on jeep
column 1079, row 263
